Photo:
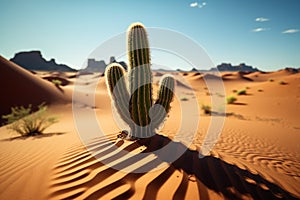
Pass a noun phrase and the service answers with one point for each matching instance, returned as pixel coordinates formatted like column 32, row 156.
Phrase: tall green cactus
column 135, row 104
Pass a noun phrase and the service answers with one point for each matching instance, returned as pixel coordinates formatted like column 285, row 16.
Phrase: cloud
column 259, row 29
column 262, row 19
column 202, row 5
column 291, row 31
column 196, row 4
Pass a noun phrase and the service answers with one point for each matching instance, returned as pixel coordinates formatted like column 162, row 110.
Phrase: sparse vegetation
column 206, row 109
column 234, row 91
column 184, row 99
column 219, row 95
column 247, row 87
column 242, row 92
column 260, row 90
column 26, row 122
column 231, row 99
column 271, row 80
column 282, row 83
column 57, row 82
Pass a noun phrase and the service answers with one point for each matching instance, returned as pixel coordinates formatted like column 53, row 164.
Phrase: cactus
column 134, row 103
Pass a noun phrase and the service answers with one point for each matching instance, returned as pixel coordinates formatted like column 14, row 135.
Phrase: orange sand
column 256, row 157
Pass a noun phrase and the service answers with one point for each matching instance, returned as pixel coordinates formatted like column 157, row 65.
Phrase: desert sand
column 256, row 156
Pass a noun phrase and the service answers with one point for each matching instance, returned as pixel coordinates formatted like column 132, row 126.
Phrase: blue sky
column 262, row 33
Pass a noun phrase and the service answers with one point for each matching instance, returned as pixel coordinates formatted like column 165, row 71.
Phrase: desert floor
column 255, row 157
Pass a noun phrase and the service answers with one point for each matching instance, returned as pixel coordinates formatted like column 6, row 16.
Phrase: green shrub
column 206, row 109
column 231, row 99
column 56, row 82
column 242, row 92
column 28, row 123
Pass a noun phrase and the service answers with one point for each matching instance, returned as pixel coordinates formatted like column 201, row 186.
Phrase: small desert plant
column 247, row 87
column 231, row 99
column 135, row 103
column 28, row 123
column 241, row 92
column 219, row 94
column 57, row 82
column 260, row 90
column 282, row 83
column 184, row 99
column 271, row 80
column 206, row 109
column 234, row 91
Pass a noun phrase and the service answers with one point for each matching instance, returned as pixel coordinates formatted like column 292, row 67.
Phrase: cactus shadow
column 226, row 179
column 209, row 173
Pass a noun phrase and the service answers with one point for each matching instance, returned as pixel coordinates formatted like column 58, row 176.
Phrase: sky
column 261, row 33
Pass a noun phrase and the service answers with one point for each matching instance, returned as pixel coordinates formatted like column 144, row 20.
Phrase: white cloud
column 194, row 4
column 202, row 5
column 291, row 31
column 262, row 19
column 259, row 29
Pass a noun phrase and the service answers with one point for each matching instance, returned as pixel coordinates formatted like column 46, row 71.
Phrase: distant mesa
column 194, row 70
column 228, row 67
column 99, row 66
column 292, row 70
column 33, row 60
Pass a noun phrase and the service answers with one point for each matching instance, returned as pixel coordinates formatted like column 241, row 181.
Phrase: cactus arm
column 116, row 85
column 164, row 99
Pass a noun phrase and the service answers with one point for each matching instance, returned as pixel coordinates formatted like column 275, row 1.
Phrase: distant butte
column 33, row 60
column 241, row 67
column 94, row 65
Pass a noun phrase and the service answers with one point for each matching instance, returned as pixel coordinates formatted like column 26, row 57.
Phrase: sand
column 256, row 156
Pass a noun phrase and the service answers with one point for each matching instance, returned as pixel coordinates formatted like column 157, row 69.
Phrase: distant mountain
column 99, row 66
column 292, row 70
column 33, row 60
column 228, row 67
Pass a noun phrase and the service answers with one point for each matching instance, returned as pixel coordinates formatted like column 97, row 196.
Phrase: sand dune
column 20, row 87
column 256, row 157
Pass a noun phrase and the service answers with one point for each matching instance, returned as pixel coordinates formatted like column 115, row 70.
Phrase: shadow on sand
column 209, row 173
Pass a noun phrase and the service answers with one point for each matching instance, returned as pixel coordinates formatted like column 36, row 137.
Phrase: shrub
column 231, row 99
column 260, row 90
column 184, row 99
column 28, row 123
column 206, row 109
column 219, row 95
column 242, row 92
column 56, row 82
column 282, row 83
column 271, row 80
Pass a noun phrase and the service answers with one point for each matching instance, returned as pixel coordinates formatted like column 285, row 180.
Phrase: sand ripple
column 78, row 175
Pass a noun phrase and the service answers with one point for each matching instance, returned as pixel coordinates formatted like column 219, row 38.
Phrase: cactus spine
column 135, row 104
